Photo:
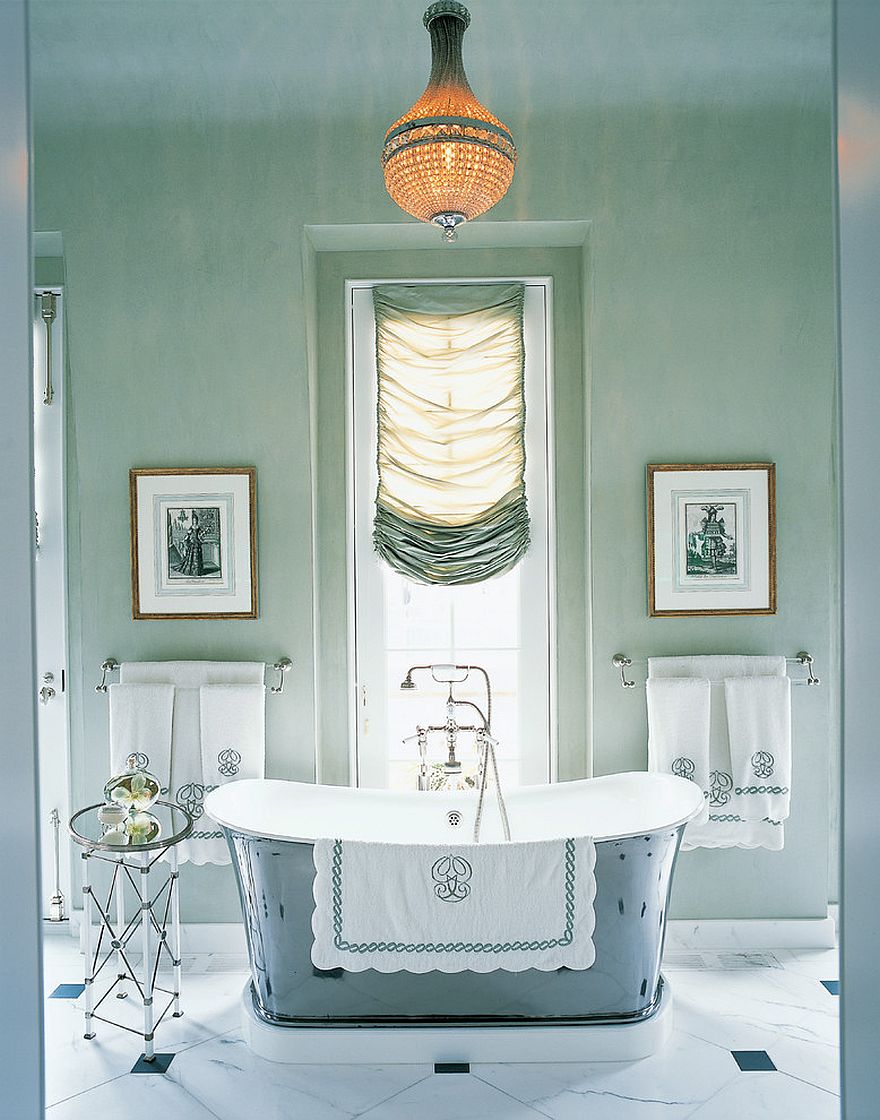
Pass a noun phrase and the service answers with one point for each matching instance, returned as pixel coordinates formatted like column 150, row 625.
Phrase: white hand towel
column 454, row 908
column 727, row 825
column 140, row 724
column 678, row 730
column 233, row 732
column 759, row 730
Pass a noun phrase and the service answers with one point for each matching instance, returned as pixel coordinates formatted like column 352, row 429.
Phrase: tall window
column 503, row 623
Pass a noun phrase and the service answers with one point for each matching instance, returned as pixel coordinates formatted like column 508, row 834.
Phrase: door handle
column 46, row 694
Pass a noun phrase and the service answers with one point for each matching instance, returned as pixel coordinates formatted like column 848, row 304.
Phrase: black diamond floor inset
column 68, row 991
column 452, row 1067
column 750, row 1061
column 159, row 1064
column 833, row 986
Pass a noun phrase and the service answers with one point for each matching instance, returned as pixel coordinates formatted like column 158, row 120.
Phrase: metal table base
column 154, row 930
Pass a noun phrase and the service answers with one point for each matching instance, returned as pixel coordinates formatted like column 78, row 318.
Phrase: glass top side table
column 157, row 913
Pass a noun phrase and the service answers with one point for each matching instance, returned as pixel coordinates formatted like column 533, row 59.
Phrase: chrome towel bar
column 282, row 666
column 622, row 662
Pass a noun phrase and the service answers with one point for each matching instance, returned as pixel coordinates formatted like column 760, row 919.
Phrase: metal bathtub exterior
column 633, row 881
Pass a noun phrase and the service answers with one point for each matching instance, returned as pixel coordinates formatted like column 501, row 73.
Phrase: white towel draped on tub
column 217, row 736
column 454, row 908
column 749, row 731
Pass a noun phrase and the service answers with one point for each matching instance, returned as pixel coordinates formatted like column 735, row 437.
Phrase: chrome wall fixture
column 282, row 666
column 56, row 901
column 622, row 662
column 47, row 314
column 108, row 666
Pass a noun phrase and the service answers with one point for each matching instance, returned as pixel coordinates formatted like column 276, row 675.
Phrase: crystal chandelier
column 447, row 159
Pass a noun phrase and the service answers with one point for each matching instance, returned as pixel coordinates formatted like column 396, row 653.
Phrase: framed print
column 193, row 543
column 711, row 539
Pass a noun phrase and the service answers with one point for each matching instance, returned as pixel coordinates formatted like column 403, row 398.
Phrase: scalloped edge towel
column 759, row 729
column 454, row 908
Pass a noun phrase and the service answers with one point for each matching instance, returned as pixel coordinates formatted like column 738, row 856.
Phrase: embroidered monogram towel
column 454, row 908
column 759, row 729
column 232, row 735
column 678, row 730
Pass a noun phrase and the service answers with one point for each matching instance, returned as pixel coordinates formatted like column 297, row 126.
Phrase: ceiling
column 99, row 61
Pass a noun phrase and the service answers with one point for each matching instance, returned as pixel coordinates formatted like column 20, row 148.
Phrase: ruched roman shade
column 451, row 502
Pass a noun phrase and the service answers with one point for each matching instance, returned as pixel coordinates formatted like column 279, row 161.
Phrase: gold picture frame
column 193, row 542
column 711, row 539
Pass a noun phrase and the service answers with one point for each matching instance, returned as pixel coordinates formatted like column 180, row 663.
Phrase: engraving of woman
column 192, row 563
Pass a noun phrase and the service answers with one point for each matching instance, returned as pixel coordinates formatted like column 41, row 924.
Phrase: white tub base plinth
column 378, row 1045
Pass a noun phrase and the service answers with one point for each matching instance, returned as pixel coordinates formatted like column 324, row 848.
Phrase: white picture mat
column 154, row 494
column 756, row 594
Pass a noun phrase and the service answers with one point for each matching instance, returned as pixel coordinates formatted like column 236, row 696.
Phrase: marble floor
column 725, row 1002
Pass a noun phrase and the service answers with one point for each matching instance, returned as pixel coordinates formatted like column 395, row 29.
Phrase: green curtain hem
column 454, row 554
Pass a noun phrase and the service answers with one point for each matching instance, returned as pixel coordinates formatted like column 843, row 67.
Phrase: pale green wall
column 707, row 179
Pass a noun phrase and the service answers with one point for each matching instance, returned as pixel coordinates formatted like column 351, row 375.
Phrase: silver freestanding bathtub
column 636, row 820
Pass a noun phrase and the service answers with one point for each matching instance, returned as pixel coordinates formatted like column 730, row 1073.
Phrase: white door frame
column 21, row 1018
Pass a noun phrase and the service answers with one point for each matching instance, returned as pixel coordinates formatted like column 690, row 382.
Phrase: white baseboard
column 752, row 933
column 212, row 937
column 696, row 934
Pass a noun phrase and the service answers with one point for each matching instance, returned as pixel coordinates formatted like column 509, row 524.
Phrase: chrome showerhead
column 407, row 682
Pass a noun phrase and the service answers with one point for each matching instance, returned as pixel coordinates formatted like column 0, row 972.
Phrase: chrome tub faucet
column 450, row 675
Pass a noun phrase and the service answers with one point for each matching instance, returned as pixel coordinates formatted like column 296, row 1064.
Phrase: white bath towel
column 727, row 825
column 678, row 730
column 140, row 724
column 454, row 908
column 189, row 782
column 191, row 674
column 759, row 731
column 716, row 667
